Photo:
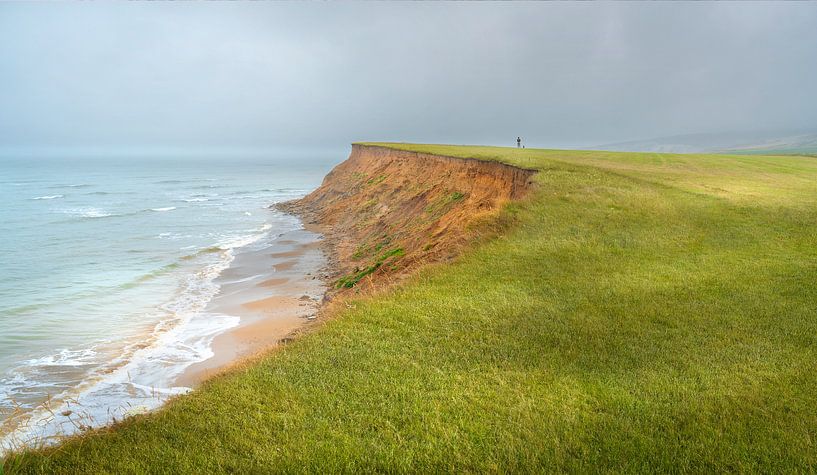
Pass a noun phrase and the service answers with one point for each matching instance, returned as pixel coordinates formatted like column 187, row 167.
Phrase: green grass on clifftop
column 644, row 312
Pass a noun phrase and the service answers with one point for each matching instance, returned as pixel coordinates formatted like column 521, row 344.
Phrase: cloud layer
column 299, row 75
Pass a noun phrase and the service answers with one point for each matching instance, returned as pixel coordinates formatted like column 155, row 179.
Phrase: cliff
column 386, row 211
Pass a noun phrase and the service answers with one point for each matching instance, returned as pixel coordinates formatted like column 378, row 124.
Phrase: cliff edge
column 386, row 211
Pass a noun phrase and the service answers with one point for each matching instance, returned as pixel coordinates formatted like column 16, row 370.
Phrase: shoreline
column 275, row 291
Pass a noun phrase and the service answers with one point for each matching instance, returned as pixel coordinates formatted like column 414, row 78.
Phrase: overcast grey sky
column 262, row 75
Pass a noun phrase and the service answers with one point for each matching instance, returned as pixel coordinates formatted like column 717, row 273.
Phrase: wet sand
column 275, row 291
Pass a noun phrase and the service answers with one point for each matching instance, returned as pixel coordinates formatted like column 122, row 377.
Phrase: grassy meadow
column 640, row 313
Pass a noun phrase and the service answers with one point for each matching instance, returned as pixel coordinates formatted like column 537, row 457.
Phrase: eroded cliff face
column 385, row 211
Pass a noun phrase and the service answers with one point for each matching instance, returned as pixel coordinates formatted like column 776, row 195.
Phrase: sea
column 106, row 268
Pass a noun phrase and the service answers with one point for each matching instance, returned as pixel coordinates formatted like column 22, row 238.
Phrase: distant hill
column 737, row 142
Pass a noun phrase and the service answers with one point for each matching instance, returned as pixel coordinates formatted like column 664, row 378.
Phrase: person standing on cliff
column 519, row 142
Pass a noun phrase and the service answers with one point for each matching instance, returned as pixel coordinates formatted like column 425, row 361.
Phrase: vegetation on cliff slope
column 429, row 207
column 645, row 312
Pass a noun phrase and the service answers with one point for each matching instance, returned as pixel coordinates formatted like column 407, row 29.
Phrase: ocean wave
column 287, row 191
column 48, row 197
column 137, row 376
column 147, row 276
column 8, row 388
column 142, row 377
column 96, row 214
column 207, row 187
column 194, row 200
column 72, row 185
column 92, row 213
column 245, row 240
column 66, row 357
column 22, row 309
column 87, row 212
column 228, row 243
column 168, row 208
column 201, row 251
column 106, row 193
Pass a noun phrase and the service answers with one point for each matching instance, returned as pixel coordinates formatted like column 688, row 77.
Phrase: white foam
column 241, row 241
column 96, row 213
column 169, row 208
column 145, row 375
column 194, row 200
column 66, row 357
column 8, row 387
column 48, row 197
column 173, row 236
column 87, row 212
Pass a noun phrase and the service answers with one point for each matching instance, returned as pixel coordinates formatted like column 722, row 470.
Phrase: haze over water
column 108, row 263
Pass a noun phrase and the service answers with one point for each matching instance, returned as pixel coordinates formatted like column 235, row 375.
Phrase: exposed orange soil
column 382, row 200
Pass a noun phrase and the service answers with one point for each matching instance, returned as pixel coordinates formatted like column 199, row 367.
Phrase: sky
column 299, row 76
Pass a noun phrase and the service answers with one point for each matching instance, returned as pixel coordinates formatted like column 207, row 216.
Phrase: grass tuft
column 352, row 280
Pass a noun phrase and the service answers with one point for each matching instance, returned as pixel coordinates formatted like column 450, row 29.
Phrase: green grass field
column 642, row 313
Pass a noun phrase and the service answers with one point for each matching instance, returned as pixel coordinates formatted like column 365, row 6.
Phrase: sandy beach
column 275, row 291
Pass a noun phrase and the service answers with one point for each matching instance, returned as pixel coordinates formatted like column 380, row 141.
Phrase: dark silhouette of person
column 519, row 142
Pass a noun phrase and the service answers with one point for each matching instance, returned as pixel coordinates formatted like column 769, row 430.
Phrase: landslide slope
column 387, row 211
